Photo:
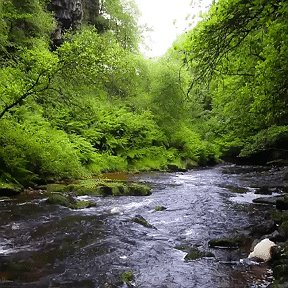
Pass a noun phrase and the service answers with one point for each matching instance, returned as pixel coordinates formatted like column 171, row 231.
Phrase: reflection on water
column 50, row 246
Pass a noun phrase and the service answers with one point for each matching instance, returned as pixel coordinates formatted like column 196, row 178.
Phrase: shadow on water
column 51, row 246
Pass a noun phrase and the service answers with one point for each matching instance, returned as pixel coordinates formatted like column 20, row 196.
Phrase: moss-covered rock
column 160, row 208
column 59, row 199
column 136, row 189
column 10, row 189
column 99, row 187
column 226, row 243
column 194, row 254
column 68, row 201
column 142, row 221
column 127, row 277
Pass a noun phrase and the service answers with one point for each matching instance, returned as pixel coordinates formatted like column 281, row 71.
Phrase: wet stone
column 282, row 203
column 127, row 277
column 236, row 189
column 194, row 253
column 225, row 243
column 142, row 221
column 265, row 190
column 266, row 227
column 10, row 189
column 68, row 201
column 160, row 208
column 267, row 200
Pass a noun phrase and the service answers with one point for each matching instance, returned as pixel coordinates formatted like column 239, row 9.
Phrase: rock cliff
column 69, row 14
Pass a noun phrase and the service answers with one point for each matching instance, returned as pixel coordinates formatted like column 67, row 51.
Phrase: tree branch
column 29, row 92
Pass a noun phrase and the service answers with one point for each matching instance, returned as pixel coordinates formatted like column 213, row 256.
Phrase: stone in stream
column 265, row 190
column 160, row 208
column 266, row 227
column 267, row 200
column 193, row 253
column 282, row 203
column 100, row 187
column 142, row 221
column 225, row 243
column 236, row 189
column 68, row 201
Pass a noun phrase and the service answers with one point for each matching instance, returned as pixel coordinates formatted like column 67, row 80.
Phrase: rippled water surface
column 52, row 246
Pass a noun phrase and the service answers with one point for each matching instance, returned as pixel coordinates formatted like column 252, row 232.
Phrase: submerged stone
column 142, row 221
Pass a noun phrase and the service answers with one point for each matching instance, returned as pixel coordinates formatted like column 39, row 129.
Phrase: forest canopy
column 91, row 103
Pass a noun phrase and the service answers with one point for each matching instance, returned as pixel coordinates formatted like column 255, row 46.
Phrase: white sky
column 167, row 19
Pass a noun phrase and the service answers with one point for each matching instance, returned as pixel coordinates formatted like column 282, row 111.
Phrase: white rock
column 263, row 250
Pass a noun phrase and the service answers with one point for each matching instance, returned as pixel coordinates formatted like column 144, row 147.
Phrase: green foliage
column 94, row 104
column 22, row 23
column 31, row 149
column 270, row 138
column 239, row 51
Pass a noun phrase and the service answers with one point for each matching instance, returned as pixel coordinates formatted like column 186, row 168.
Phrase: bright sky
column 167, row 19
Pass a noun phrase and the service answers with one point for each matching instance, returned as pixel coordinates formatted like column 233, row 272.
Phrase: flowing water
column 44, row 245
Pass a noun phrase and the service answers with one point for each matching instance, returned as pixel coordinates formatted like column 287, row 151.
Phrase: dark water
column 52, row 246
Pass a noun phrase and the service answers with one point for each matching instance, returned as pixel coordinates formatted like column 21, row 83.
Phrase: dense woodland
column 92, row 103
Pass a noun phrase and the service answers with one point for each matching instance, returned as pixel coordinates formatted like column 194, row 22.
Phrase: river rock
column 96, row 187
column 266, row 227
column 282, row 203
column 142, row 221
column 236, row 189
column 160, row 208
column 68, row 201
column 194, row 253
column 225, row 243
column 265, row 190
column 10, row 189
column 267, row 200
column 262, row 251
column 175, row 168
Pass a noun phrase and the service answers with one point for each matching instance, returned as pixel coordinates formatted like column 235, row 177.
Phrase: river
column 43, row 245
